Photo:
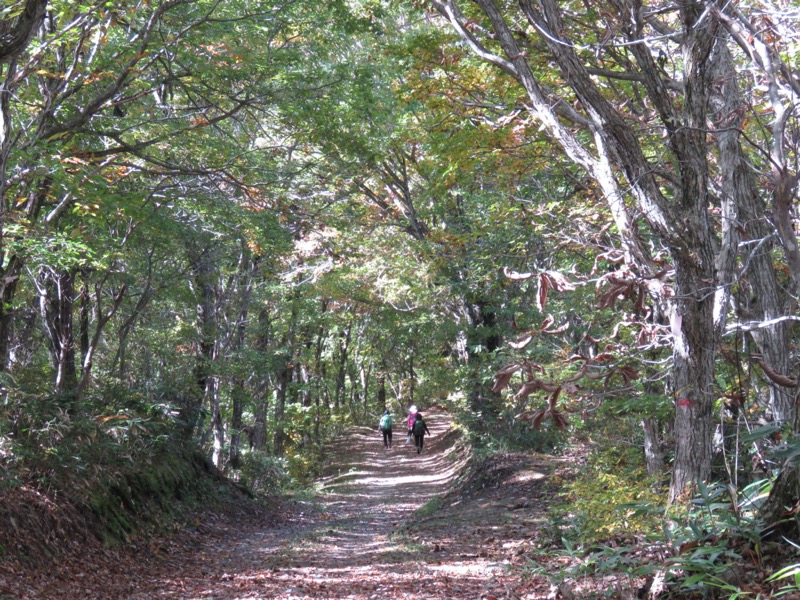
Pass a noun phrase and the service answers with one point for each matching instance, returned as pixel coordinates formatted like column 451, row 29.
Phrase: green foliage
column 791, row 573
column 603, row 501
column 707, row 537
column 261, row 472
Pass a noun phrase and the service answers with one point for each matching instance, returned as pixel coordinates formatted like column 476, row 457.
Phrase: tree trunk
column 92, row 342
column 282, row 385
column 204, row 277
column 237, row 407
column 217, row 424
column 381, row 397
column 364, row 371
column 17, row 32
column 760, row 302
column 653, row 454
column 263, row 341
column 344, row 346
column 56, row 300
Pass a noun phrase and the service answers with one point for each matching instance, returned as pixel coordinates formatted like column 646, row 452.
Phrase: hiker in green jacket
column 385, row 426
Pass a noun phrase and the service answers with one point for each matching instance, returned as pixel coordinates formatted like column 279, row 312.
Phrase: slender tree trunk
column 237, row 407
column 364, row 371
column 246, row 274
column 653, row 454
column 101, row 320
column 217, row 424
column 119, row 363
column 260, row 417
column 263, row 341
column 282, row 385
column 381, row 398
column 84, row 317
column 761, row 299
column 204, row 277
column 56, row 300
column 344, row 346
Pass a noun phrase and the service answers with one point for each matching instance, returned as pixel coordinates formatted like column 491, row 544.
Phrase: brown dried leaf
column 604, row 357
column 781, row 380
column 512, row 368
column 559, row 419
column 537, row 419
column 561, row 329
column 541, row 294
column 628, row 373
column 577, row 357
column 554, row 398
column 503, row 377
column 559, row 282
column 530, row 367
column 521, row 341
column 609, row 298
column 549, row 387
column 527, row 389
column 513, row 275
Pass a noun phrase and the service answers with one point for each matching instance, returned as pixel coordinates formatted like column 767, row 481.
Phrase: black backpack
column 419, row 427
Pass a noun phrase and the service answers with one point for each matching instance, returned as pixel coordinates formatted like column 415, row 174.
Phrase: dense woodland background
column 241, row 227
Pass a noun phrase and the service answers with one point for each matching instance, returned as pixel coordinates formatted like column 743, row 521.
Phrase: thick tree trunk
column 16, row 33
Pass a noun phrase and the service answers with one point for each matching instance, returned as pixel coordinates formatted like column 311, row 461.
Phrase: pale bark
column 743, row 220
column 653, row 454
column 56, row 299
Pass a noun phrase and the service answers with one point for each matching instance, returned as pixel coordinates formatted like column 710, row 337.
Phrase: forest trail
column 362, row 542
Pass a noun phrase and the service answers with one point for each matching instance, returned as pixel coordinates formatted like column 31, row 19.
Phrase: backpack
column 419, row 427
column 386, row 422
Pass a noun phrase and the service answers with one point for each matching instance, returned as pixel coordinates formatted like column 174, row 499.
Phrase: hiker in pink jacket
column 412, row 413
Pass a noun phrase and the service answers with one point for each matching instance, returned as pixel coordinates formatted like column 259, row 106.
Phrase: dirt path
column 362, row 543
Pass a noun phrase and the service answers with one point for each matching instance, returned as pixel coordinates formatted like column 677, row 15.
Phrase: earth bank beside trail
column 389, row 524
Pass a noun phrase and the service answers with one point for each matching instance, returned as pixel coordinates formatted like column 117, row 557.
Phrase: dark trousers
column 419, row 440
column 387, row 438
